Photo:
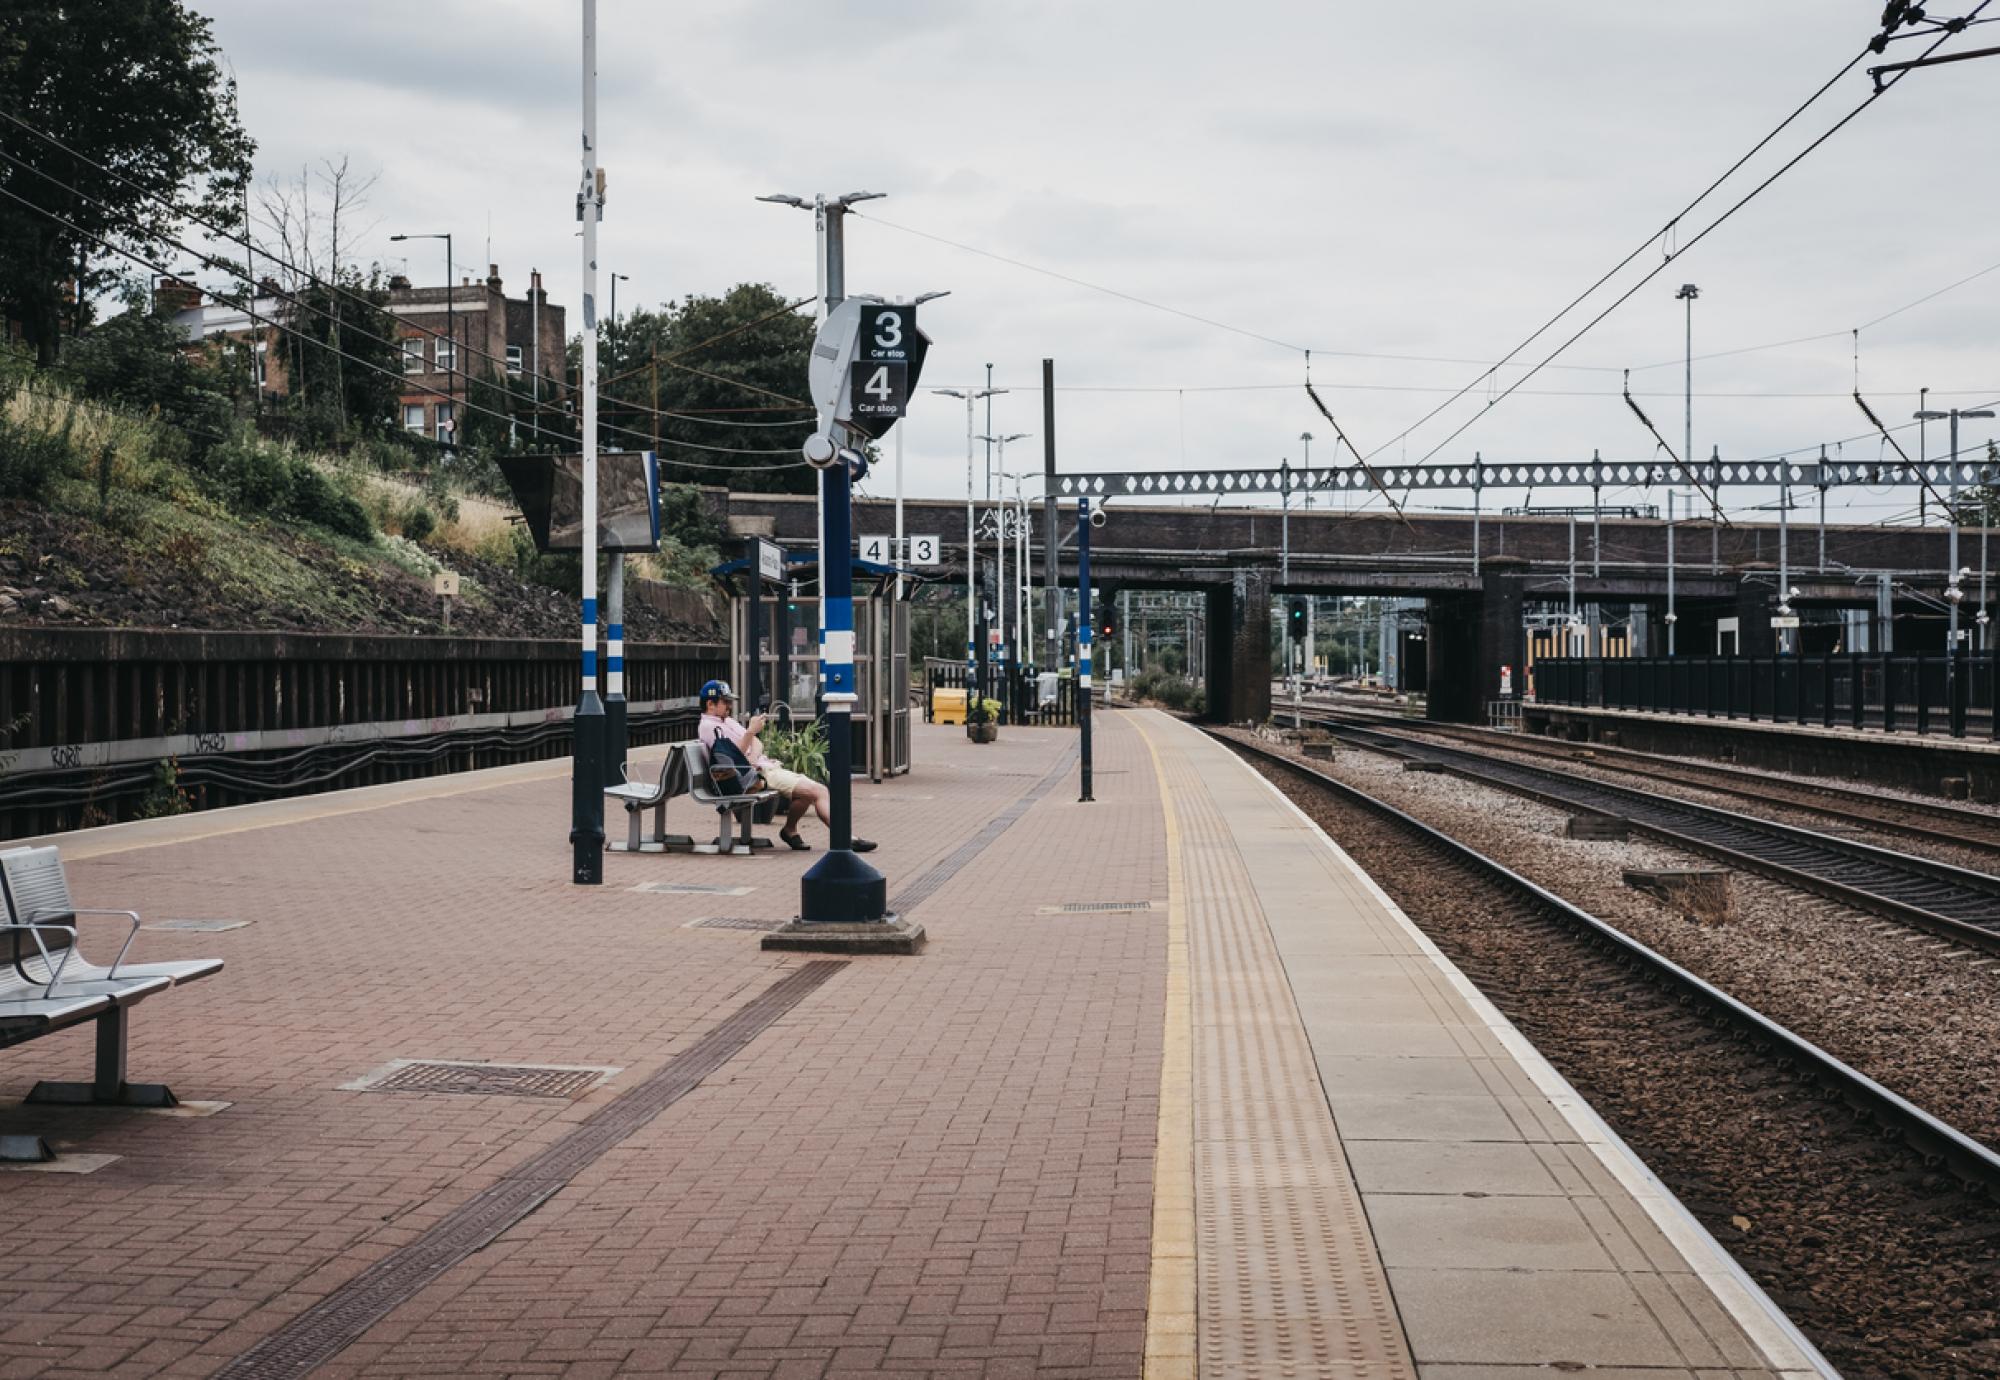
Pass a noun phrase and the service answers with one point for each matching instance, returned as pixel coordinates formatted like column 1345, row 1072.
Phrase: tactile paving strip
column 1289, row 1283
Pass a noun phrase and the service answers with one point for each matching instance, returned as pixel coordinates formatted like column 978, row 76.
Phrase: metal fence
column 1920, row 692
column 1020, row 705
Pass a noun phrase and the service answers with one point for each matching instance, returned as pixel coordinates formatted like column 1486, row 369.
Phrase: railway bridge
column 1478, row 574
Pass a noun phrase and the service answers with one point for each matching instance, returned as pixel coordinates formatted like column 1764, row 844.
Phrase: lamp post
column 1687, row 294
column 840, row 887
column 1000, row 596
column 972, row 687
column 451, row 292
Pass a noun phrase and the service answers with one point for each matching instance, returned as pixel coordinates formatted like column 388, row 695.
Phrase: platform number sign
column 875, row 550
column 888, row 357
column 923, row 550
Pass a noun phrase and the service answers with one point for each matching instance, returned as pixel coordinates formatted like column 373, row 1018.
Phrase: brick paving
column 932, row 1165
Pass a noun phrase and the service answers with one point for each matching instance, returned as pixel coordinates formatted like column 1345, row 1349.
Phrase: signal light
column 1295, row 619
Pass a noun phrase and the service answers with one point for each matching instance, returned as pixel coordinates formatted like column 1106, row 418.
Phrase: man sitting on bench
column 801, row 793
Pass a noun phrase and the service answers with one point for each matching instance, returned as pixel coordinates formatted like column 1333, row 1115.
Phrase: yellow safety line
column 1170, row 1296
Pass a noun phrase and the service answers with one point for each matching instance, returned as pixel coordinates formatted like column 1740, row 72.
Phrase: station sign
column 1785, row 620
column 887, row 361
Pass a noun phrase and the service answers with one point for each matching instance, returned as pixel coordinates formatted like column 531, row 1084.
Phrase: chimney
column 175, row 295
column 399, row 282
column 493, row 279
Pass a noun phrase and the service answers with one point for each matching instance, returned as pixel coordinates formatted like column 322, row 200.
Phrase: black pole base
column 586, row 814
column 841, row 889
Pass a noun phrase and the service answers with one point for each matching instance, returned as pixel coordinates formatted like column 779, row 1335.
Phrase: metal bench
column 736, row 809
column 46, row 984
column 637, row 797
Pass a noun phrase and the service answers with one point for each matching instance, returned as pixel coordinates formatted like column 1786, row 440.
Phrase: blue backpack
column 729, row 770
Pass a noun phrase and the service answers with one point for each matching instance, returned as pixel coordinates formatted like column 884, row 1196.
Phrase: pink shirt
column 713, row 726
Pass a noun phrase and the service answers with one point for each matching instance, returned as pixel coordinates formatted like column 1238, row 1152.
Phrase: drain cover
column 201, row 926
column 693, row 889
column 733, row 922
column 1096, row 908
column 487, row 1080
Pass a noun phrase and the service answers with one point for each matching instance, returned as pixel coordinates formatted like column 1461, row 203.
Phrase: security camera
column 1673, row 618
column 1098, row 517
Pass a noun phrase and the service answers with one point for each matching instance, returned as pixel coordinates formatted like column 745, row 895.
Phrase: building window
column 263, row 365
column 447, row 424
column 447, row 355
column 413, row 417
column 413, row 356
column 514, row 360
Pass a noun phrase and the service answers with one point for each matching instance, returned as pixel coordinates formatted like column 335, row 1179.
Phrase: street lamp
column 1953, row 593
column 1687, row 294
column 1000, row 550
column 971, row 396
column 450, row 322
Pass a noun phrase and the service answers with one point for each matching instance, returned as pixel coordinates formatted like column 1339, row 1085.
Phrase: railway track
column 1941, row 822
column 1738, row 1113
column 1954, row 902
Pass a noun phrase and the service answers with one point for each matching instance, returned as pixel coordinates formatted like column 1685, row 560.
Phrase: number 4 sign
column 880, row 391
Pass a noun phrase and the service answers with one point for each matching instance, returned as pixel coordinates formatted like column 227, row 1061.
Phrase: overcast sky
column 1358, row 180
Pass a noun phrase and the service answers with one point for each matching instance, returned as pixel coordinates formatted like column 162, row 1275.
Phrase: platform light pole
column 971, row 396
column 1001, row 596
column 587, row 764
column 840, row 887
column 1312, row 601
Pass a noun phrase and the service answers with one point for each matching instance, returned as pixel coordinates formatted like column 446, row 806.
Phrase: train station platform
column 1173, row 1090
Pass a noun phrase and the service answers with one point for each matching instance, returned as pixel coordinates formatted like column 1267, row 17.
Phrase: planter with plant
column 982, row 720
column 800, row 748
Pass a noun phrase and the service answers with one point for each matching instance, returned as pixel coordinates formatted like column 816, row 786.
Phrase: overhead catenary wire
column 1681, row 249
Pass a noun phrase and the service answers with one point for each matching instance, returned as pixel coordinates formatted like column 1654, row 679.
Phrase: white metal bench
column 637, row 797
column 46, row 984
column 729, row 809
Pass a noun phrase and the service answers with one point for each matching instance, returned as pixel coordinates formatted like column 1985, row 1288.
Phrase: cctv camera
column 1098, row 517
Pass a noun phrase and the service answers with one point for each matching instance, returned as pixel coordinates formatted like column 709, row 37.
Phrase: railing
column 98, row 726
column 1921, row 692
column 1020, row 706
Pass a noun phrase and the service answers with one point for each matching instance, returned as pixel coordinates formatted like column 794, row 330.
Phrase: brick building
column 452, row 336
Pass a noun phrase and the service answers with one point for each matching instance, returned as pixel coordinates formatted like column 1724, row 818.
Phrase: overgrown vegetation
column 1167, row 688
column 800, row 748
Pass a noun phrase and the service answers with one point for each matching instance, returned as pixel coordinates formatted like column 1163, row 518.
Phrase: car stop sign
column 888, row 359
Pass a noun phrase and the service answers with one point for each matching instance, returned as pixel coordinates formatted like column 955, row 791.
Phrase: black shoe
column 793, row 841
column 863, row 846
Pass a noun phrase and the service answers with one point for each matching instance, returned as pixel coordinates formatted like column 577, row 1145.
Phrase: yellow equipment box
column 948, row 705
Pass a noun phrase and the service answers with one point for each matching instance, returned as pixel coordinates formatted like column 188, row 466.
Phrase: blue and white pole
column 1083, row 636
column 840, row 888
column 615, row 733
column 586, row 835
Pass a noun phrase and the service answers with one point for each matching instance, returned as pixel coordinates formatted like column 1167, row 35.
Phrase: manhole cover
column 488, row 1080
column 1096, row 908
column 200, row 926
column 733, row 922
column 693, row 889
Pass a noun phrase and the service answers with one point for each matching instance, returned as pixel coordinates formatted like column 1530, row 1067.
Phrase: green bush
column 257, row 477
column 418, row 522
column 31, row 459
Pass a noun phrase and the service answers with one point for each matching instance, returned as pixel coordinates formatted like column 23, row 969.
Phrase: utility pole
column 1687, row 294
column 1312, row 603
column 587, row 774
column 1083, row 631
column 1672, row 617
column 1954, row 593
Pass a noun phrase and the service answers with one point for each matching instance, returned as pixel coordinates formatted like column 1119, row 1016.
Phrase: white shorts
column 784, row 782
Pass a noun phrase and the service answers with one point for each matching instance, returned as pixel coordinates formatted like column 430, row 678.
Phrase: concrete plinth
column 890, row 935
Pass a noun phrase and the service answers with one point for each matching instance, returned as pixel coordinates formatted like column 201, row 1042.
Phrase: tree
column 731, row 373
column 136, row 86
column 1979, row 506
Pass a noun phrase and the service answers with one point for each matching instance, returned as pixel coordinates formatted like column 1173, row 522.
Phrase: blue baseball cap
column 717, row 690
